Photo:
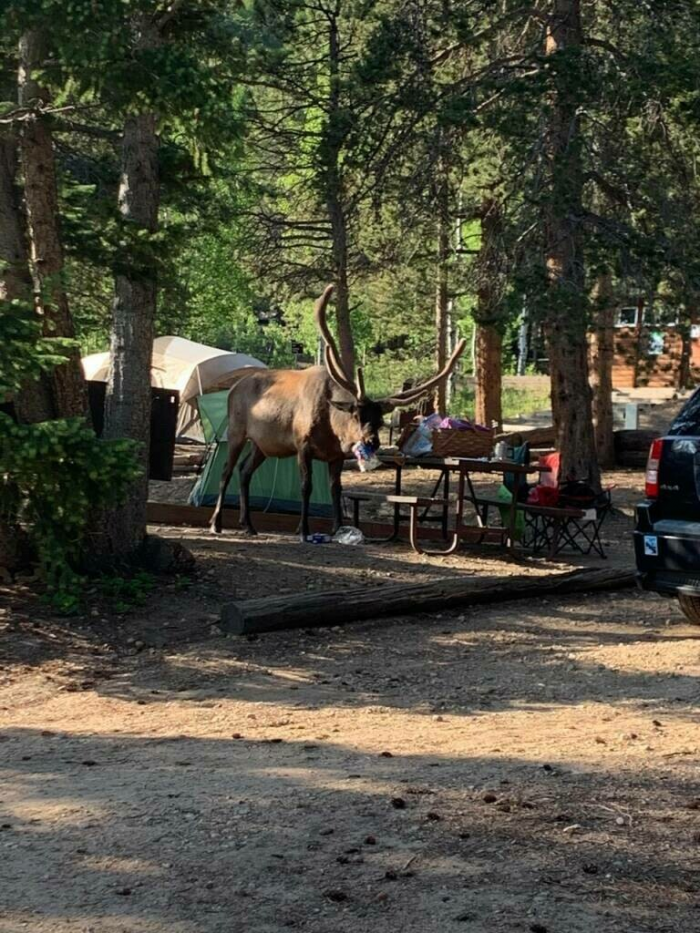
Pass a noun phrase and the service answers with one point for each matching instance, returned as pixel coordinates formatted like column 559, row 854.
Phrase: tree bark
column 442, row 298
column 15, row 280
column 15, row 286
column 335, row 204
column 639, row 332
column 67, row 383
column 602, row 357
column 684, row 368
column 34, row 403
column 566, row 318
column 488, row 360
column 487, row 403
column 346, row 343
column 128, row 401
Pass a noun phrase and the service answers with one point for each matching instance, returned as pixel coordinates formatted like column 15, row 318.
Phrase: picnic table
column 452, row 509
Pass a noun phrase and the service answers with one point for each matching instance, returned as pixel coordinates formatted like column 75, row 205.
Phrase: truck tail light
column 651, row 486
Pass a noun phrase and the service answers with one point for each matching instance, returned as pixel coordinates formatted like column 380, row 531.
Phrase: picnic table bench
column 453, row 527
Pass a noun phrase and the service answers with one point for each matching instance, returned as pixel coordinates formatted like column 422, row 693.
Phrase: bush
column 55, row 477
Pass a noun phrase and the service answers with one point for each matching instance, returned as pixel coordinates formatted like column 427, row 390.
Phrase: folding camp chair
column 574, row 521
column 583, row 534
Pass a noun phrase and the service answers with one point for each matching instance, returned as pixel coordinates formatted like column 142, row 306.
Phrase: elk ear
column 349, row 407
column 386, row 406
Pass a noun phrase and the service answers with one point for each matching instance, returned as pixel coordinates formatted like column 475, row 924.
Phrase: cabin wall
column 633, row 352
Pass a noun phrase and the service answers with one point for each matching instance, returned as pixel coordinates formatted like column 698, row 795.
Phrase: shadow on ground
column 205, row 835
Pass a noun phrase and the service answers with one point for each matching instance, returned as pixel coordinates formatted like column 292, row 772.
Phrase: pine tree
column 66, row 384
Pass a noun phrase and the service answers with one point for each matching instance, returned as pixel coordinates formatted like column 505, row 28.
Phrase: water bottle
column 501, row 451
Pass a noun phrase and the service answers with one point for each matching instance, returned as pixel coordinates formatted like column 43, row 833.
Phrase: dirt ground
column 520, row 767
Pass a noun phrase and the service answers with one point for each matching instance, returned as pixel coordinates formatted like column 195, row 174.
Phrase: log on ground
column 333, row 607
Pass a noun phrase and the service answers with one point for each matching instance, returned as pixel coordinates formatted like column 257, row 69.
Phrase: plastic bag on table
column 421, row 441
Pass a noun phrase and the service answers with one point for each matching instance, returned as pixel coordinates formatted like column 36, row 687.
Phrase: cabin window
column 626, row 317
column 657, row 316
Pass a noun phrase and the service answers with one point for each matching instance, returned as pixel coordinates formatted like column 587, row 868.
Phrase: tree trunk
column 34, row 403
column 488, row 363
column 602, row 357
column 15, row 281
column 643, row 308
column 487, row 403
column 684, row 329
column 15, row 286
column 566, row 318
column 128, row 401
column 442, row 299
column 523, row 343
column 335, row 204
column 68, row 388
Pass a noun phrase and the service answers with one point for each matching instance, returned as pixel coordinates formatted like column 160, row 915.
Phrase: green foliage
column 385, row 375
column 515, row 402
column 24, row 353
column 123, row 594
column 56, row 476
column 53, row 475
column 213, row 303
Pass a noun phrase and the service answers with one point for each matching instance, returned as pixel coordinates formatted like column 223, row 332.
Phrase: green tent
column 275, row 484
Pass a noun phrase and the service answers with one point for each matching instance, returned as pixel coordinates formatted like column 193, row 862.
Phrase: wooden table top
column 457, row 464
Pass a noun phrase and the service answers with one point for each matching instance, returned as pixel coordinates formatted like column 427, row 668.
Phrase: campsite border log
column 332, row 607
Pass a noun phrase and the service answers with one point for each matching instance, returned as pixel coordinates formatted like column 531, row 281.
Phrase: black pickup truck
column 667, row 532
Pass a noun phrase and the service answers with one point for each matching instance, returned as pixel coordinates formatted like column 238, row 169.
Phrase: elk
column 317, row 413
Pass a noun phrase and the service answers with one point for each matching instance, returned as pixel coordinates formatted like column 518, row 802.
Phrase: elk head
column 366, row 414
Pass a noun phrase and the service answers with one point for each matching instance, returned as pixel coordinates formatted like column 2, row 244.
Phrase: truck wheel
column 690, row 607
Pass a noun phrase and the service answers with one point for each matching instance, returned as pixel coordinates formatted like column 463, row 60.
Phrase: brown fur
column 286, row 413
column 281, row 411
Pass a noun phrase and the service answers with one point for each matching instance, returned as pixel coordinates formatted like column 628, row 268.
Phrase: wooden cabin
column 650, row 350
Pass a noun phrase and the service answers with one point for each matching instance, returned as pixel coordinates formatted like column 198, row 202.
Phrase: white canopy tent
column 183, row 365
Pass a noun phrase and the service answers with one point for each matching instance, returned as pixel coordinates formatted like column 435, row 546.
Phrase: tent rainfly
column 183, row 365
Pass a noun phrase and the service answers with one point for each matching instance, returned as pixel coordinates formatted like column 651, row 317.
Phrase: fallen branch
column 332, row 607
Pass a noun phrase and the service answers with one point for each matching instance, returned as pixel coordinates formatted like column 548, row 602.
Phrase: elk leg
column 252, row 462
column 305, row 467
column 334, row 470
column 234, row 452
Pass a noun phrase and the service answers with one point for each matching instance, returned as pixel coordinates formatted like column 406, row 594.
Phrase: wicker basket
column 449, row 442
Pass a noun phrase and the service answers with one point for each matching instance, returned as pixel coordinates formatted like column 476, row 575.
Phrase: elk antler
column 334, row 365
column 337, row 375
column 412, row 395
